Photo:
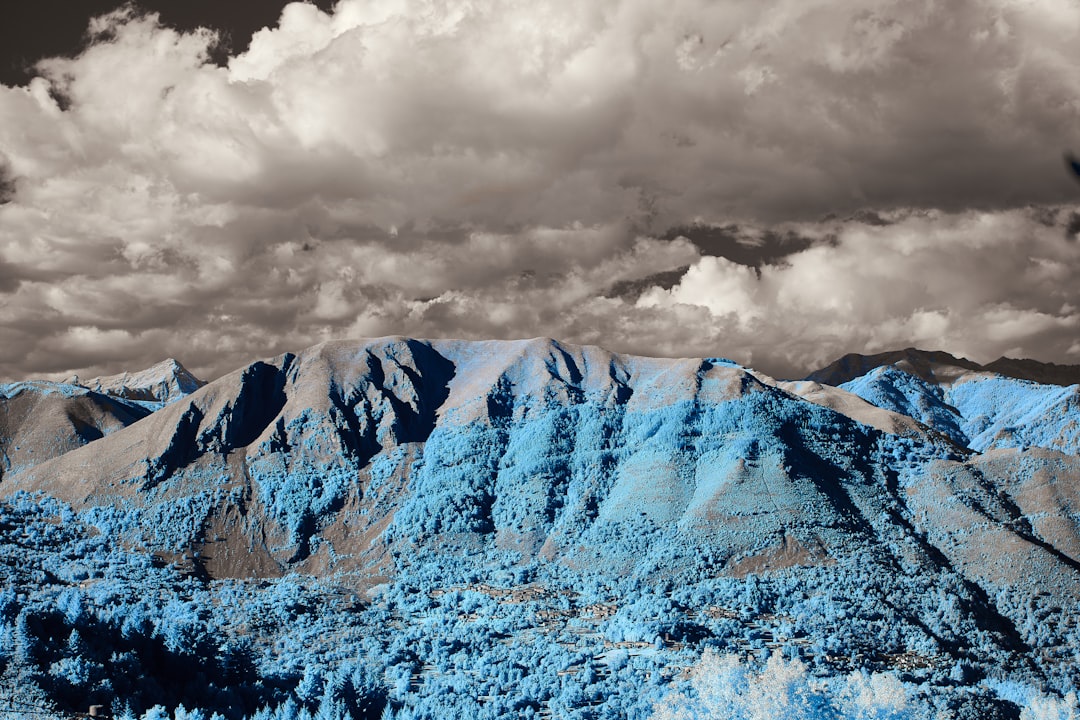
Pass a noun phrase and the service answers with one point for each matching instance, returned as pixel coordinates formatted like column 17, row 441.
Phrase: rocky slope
column 347, row 452
column 924, row 513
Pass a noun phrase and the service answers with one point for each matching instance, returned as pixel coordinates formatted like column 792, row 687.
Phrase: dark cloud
column 749, row 246
column 471, row 171
column 7, row 181
column 633, row 289
column 8, row 279
column 1072, row 227
column 870, row 217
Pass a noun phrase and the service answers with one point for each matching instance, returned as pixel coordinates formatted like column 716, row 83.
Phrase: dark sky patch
column 35, row 30
column 632, row 289
column 745, row 246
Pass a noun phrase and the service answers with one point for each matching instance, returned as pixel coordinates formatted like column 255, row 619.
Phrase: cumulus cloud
column 843, row 176
column 980, row 284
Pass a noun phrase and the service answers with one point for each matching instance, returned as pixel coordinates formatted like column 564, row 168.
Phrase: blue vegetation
column 525, row 530
column 894, row 389
column 981, row 411
column 84, row 621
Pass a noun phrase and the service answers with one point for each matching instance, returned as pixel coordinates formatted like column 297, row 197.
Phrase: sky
column 779, row 182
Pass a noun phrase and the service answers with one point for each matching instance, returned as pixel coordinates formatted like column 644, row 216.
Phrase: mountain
column 942, row 368
column 933, row 367
column 306, row 459
column 1035, row 371
column 40, row 420
column 557, row 529
column 165, row 382
column 973, row 405
column 343, row 455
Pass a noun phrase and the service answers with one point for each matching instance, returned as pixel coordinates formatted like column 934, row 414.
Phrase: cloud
column 504, row 169
column 981, row 284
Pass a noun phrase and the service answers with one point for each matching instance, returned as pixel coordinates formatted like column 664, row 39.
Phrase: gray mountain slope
column 41, row 420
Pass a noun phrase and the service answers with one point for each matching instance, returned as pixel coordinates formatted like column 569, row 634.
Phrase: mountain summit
column 165, row 382
column 941, row 368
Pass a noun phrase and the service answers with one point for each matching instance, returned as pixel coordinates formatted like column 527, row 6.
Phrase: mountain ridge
column 601, row 510
column 939, row 367
column 163, row 382
column 302, row 447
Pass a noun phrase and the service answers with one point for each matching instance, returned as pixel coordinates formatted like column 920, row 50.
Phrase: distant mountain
column 933, row 367
column 1040, row 372
column 974, row 405
column 41, row 420
column 165, row 382
column 942, row 368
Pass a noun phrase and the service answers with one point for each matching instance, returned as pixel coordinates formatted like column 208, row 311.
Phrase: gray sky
column 776, row 181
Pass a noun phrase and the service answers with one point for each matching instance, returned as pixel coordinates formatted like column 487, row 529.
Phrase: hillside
column 975, row 407
column 462, row 510
column 40, row 420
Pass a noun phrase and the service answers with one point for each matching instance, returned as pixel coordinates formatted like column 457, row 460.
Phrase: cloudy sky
column 775, row 181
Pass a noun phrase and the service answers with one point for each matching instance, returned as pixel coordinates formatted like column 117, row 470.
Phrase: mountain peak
column 940, row 368
column 933, row 366
column 164, row 382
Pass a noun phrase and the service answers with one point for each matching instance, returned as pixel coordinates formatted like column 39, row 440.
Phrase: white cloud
column 491, row 168
column 984, row 284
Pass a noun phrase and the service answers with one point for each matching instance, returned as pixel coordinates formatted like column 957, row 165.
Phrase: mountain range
column 945, row 492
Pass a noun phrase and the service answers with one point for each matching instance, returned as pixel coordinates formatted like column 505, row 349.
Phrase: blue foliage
column 568, row 538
